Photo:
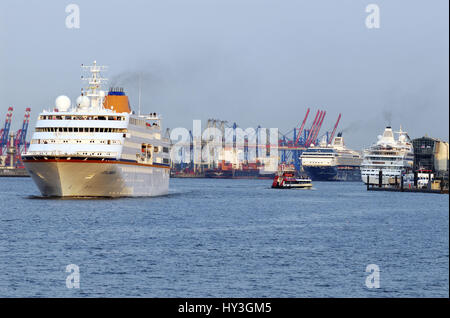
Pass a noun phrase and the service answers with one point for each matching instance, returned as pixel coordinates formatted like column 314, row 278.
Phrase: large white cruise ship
column 333, row 162
column 98, row 147
column 390, row 156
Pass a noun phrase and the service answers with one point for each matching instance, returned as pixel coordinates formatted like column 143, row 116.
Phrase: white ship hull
column 389, row 156
column 98, row 147
column 78, row 178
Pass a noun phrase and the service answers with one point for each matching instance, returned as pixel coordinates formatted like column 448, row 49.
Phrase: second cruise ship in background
column 390, row 156
column 333, row 162
column 98, row 147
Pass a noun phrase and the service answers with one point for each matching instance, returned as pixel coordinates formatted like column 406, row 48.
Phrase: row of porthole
column 79, row 117
column 81, row 129
column 72, row 141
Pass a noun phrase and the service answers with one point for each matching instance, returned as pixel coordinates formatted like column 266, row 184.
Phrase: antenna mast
column 95, row 83
column 139, row 102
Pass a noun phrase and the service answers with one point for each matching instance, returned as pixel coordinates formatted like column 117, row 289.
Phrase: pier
column 14, row 172
column 438, row 185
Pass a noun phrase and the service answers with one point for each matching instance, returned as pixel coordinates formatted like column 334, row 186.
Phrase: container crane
column 301, row 127
column 4, row 135
column 20, row 140
column 319, row 125
column 311, row 130
column 314, row 129
column 334, row 130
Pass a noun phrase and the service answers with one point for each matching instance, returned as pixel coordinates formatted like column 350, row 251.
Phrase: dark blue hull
column 333, row 173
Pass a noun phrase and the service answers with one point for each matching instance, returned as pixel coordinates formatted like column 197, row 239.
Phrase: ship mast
column 94, row 92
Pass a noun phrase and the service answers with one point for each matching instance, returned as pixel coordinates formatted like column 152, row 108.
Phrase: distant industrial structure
column 12, row 145
column 292, row 148
column 251, row 158
column 226, row 152
column 431, row 156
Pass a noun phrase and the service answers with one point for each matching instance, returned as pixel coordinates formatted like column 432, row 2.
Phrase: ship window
column 156, row 148
column 165, row 160
column 91, row 129
column 165, row 149
column 97, row 130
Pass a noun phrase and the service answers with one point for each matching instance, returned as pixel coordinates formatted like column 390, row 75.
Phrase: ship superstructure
column 333, row 162
column 98, row 147
column 390, row 156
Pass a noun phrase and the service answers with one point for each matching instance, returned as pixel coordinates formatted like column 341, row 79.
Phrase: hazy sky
column 253, row 62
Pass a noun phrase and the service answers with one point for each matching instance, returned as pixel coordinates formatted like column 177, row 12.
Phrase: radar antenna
column 94, row 83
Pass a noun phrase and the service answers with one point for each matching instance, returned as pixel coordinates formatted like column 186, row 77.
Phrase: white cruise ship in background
column 333, row 162
column 389, row 155
column 98, row 147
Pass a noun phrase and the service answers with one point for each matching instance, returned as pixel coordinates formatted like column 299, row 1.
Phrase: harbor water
column 225, row 238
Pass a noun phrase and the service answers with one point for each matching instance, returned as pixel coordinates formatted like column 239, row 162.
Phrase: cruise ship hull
column 96, row 178
column 333, row 173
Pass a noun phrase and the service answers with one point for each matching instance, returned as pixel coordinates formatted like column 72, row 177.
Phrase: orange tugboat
column 287, row 178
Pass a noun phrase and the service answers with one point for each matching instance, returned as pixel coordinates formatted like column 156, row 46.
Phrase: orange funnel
column 117, row 101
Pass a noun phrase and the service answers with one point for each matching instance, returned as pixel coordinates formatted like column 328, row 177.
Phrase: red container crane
column 334, row 129
column 301, row 127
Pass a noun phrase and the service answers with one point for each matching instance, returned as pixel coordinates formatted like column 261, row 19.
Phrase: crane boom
column 313, row 132
column 334, row 129
column 311, row 139
column 312, row 128
column 301, row 127
column 318, row 127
